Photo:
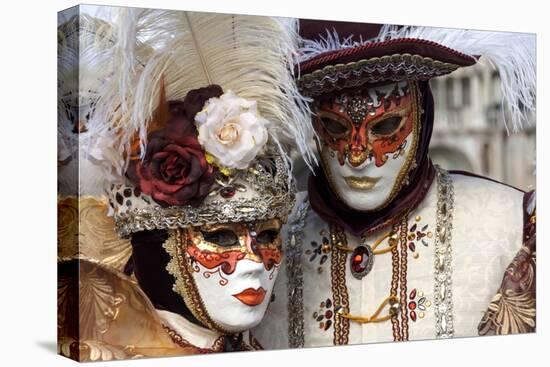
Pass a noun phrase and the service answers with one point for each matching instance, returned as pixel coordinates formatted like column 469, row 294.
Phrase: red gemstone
column 227, row 192
column 413, row 294
column 412, row 305
column 360, row 259
column 413, row 315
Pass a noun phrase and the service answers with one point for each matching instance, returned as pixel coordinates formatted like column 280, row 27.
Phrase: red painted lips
column 251, row 296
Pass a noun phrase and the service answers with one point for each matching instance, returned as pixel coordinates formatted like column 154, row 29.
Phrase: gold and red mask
column 368, row 141
column 225, row 244
column 226, row 272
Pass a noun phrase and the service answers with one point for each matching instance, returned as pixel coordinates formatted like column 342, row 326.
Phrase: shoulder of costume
column 104, row 315
column 483, row 180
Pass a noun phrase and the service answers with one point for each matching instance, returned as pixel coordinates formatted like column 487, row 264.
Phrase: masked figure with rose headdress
column 190, row 136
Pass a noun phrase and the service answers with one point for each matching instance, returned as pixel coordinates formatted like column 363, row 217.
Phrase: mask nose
column 359, row 150
column 251, row 268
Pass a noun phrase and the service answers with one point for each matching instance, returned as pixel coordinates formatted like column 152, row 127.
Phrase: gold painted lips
column 361, row 183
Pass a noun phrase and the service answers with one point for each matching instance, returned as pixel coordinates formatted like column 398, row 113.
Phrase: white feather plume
column 85, row 45
column 512, row 55
column 331, row 42
column 252, row 56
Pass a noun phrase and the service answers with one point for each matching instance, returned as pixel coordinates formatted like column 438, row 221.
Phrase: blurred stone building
column 469, row 133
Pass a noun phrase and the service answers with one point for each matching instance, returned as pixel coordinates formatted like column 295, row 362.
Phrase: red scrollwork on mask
column 227, row 260
column 270, row 257
column 376, row 132
column 209, row 259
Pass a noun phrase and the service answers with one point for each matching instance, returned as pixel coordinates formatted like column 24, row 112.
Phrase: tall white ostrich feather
column 85, row 46
column 251, row 55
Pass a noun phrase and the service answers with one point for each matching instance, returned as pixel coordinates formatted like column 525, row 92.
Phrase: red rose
column 174, row 170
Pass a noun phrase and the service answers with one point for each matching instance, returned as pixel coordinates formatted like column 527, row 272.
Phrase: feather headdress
column 512, row 55
column 85, row 46
column 249, row 55
column 203, row 111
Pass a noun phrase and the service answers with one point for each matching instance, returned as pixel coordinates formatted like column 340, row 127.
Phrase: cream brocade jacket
column 445, row 286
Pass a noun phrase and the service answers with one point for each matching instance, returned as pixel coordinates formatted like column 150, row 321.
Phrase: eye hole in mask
column 221, row 237
column 387, row 126
column 334, row 127
column 267, row 236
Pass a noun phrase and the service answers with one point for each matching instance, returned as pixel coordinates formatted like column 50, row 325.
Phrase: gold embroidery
column 94, row 350
column 513, row 309
column 182, row 342
column 103, row 315
column 398, row 304
column 85, row 230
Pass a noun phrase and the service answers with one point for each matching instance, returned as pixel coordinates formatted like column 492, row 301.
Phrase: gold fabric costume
column 102, row 313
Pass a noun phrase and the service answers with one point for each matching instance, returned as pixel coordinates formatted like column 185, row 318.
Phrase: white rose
column 231, row 130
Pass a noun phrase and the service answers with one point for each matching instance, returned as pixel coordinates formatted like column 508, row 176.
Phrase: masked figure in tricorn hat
column 386, row 246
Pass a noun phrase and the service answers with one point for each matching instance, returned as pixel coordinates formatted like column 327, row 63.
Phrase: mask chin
column 239, row 304
column 367, row 187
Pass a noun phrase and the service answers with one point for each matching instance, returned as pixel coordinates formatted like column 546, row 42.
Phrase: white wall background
column 28, row 181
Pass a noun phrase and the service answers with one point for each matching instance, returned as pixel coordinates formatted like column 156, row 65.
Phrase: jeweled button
column 361, row 261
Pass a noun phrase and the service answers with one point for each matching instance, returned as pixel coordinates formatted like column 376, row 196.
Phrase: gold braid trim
column 398, row 248
column 394, row 284
column 391, row 300
column 339, row 288
column 182, row 342
column 403, row 277
column 372, row 70
column 374, row 247
column 400, row 325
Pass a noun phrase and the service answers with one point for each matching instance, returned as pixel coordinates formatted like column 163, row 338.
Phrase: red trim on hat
column 396, row 46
